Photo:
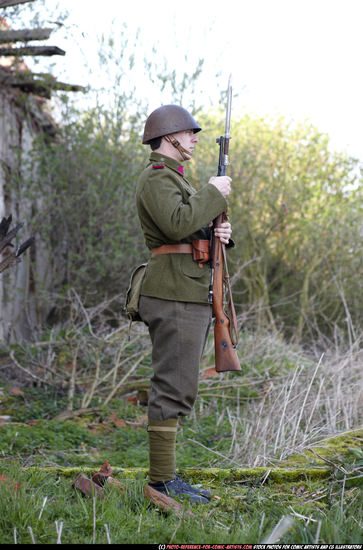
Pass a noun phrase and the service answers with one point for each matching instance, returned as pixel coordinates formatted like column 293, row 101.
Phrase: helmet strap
column 184, row 153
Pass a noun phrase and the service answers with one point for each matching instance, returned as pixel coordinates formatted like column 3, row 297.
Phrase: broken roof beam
column 41, row 84
column 8, row 3
column 24, row 35
column 32, row 50
column 44, row 89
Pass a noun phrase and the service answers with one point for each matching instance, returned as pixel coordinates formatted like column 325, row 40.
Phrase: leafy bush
column 296, row 207
column 296, row 211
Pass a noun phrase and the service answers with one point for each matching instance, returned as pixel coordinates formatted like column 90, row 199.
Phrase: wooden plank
column 8, row 3
column 32, row 50
column 24, row 35
column 165, row 502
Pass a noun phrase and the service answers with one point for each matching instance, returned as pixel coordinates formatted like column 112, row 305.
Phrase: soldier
column 175, row 220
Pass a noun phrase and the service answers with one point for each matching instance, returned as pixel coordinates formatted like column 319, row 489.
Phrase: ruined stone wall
column 21, row 307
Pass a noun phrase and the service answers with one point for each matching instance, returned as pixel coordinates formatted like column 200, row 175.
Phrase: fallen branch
column 67, row 415
column 165, row 502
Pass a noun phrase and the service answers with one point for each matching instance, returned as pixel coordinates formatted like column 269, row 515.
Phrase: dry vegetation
column 285, row 399
column 304, row 401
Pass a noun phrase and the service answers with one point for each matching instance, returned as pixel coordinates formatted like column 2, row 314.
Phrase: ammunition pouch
column 201, row 251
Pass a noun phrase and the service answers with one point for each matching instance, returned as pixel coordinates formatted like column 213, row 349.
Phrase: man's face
column 187, row 139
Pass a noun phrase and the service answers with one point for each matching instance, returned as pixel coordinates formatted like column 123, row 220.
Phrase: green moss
column 344, row 447
column 218, row 475
column 257, row 475
column 126, row 473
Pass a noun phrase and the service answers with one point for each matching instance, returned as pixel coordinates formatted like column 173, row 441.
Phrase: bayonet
column 223, row 141
column 228, row 108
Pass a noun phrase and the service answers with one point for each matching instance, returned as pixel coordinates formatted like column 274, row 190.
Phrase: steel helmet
column 168, row 119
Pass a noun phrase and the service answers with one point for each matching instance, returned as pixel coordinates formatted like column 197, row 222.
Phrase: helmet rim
column 168, row 119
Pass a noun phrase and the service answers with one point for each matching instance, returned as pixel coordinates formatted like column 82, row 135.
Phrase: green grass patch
column 244, row 513
column 320, row 488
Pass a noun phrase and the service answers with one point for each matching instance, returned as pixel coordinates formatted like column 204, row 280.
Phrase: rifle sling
column 233, row 327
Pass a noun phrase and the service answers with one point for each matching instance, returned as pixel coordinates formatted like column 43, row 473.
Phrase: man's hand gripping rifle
column 225, row 327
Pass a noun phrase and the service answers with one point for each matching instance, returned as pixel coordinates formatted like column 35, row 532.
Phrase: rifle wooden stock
column 224, row 348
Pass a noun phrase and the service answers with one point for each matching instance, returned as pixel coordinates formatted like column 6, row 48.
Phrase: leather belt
column 183, row 248
column 199, row 250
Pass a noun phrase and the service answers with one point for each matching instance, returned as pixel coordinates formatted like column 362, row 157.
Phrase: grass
column 261, row 441
column 245, row 513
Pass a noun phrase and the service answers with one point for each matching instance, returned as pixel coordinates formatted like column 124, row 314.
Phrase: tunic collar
column 167, row 161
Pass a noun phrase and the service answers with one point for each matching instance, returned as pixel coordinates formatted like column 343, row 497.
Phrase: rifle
column 225, row 327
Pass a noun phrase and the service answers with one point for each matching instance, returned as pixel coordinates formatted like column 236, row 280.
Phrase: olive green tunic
column 171, row 211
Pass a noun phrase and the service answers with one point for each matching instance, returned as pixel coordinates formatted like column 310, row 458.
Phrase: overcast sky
column 298, row 58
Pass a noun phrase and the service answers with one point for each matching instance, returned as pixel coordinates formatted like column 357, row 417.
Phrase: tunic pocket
column 193, row 269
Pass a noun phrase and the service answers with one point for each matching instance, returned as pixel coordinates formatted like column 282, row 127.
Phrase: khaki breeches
column 178, row 332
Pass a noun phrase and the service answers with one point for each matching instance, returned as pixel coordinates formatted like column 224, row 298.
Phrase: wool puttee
column 162, row 440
